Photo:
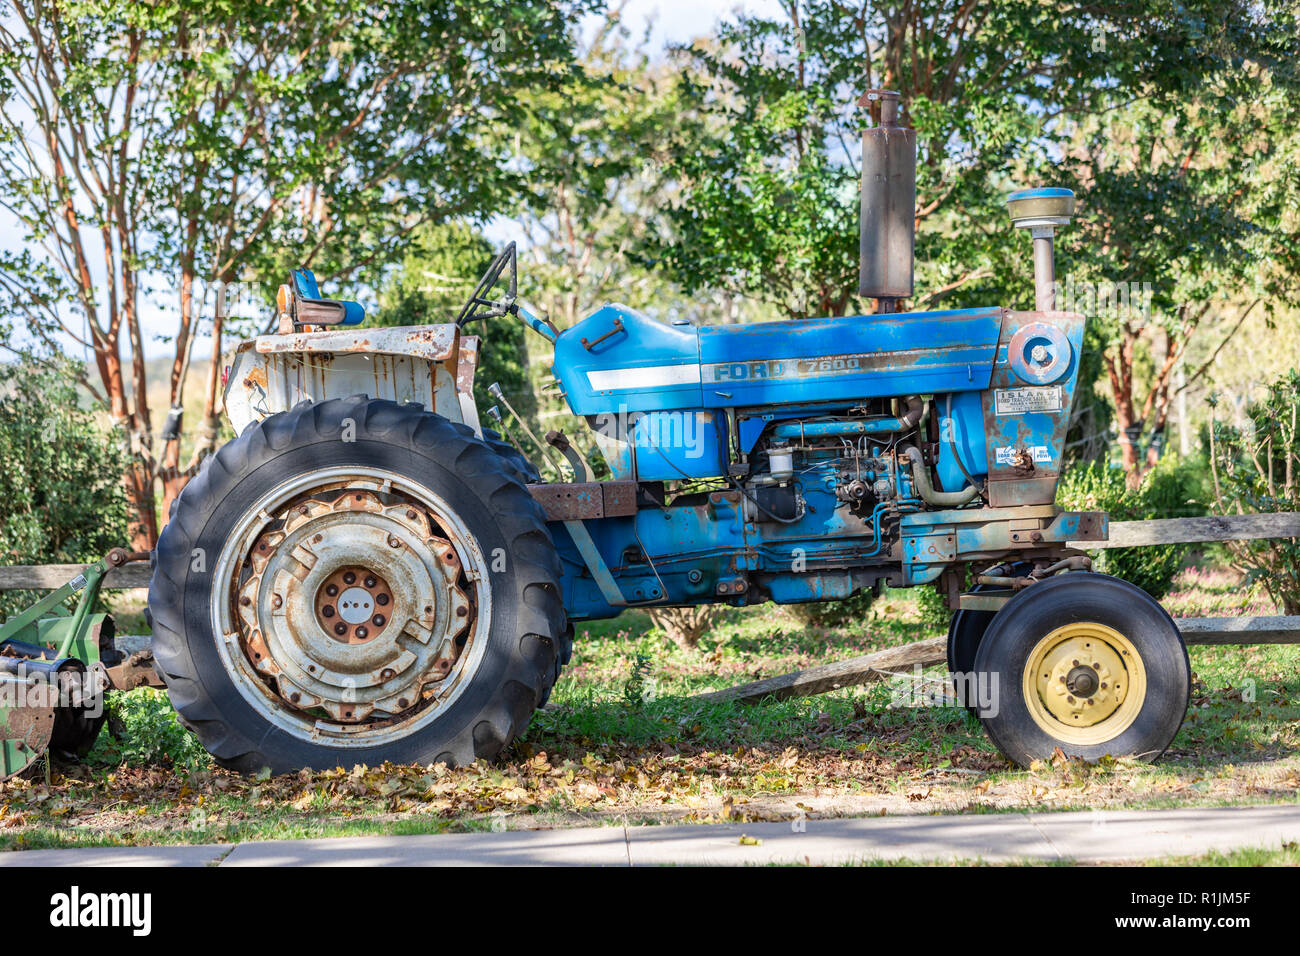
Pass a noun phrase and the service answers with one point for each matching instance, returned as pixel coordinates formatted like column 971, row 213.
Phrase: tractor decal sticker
column 1013, row 456
column 647, row 376
column 823, row 366
column 1018, row 401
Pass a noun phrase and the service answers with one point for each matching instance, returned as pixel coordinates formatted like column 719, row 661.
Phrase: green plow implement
column 54, row 670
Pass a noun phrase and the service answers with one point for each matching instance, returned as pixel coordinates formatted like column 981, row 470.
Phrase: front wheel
column 353, row 582
column 1086, row 663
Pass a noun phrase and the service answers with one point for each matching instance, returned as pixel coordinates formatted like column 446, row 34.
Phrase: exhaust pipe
column 1041, row 211
column 888, row 222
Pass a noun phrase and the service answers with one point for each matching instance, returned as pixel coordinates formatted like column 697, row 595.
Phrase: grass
column 623, row 742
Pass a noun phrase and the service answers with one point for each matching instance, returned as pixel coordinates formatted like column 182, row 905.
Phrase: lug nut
column 394, row 541
column 245, row 601
column 327, row 610
column 276, row 600
column 363, row 632
column 370, row 581
column 340, row 628
column 331, row 589
column 350, row 578
column 462, row 611
column 381, row 599
column 378, row 620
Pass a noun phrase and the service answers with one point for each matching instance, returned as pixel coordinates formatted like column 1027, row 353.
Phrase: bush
column 1170, row 489
column 144, row 731
column 1256, row 469
column 61, row 499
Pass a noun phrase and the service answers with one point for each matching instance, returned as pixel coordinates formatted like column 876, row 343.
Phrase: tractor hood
column 618, row 359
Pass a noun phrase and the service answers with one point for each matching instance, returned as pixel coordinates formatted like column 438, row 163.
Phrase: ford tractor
column 368, row 574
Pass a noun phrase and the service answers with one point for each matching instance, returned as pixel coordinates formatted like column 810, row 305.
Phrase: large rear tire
column 353, row 582
column 1086, row 663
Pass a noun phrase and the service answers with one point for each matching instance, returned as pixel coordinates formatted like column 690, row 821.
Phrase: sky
column 668, row 21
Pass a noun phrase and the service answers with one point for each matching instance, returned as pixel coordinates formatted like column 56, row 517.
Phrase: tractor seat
column 310, row 309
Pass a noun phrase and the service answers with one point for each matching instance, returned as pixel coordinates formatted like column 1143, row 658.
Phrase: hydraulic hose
column 921, row 478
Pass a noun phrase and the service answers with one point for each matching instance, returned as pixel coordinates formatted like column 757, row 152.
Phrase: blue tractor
column 367, row 573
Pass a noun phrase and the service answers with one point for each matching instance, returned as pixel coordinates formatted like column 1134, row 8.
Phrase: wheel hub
column 354, row 607
column 1080, row 676
column 354, row 604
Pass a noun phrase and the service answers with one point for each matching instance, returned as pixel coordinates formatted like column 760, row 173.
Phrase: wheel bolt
column 378, row 620
column 276, row 600
column 410, row 513
column 462, row 611
column 394, row 541
column 327, row 610
column 362, row 633
column 370, row 581
column 245, row 601
column 295, row 697
column 350, row 578
column 340, row 628
column 403, row 703
column 1070, row 699
column 331, row 589
column 381, row 599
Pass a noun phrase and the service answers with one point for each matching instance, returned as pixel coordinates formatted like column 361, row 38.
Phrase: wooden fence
column 882, row 664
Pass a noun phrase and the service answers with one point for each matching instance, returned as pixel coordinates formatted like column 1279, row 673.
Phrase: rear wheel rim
column 1084, row 683
column 351, row 607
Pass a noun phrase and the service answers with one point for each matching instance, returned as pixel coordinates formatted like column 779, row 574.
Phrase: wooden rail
column 879, row 665
column 1134, row 534
column 1123, row 534
column 47, row 577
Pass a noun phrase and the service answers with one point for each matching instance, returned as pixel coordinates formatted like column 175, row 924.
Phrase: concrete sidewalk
column 1086, row 837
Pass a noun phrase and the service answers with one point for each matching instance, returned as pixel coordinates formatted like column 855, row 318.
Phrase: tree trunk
column 684, row 626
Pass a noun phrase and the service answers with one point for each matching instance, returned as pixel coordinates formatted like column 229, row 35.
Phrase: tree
column 996, row 93
column 1185, row 234
column 439, row 270
column 205, row 144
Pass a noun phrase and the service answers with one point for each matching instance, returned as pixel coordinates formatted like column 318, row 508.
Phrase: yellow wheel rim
column 1084, row 683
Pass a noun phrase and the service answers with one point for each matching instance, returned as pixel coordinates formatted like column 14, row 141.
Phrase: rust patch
column 584, row 500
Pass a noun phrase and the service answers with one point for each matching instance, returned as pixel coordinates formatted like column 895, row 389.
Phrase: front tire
column 352, row 582
column 1086, row 663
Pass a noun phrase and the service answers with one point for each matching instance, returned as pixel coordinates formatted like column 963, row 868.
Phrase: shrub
column 146, row 732
column 684, row 626
column 1256, row 468
column 1098, row 487
column 61, row 499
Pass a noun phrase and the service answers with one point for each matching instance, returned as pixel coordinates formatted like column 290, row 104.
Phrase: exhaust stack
column 1041, row 211
column 888, row 203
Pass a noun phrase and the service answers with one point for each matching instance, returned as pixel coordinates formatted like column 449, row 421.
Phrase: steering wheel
column 478, row 299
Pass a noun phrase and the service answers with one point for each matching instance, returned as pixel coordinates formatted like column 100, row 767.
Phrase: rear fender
column 430, row 364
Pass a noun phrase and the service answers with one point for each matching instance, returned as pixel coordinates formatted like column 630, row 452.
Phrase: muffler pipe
column 888, row 223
